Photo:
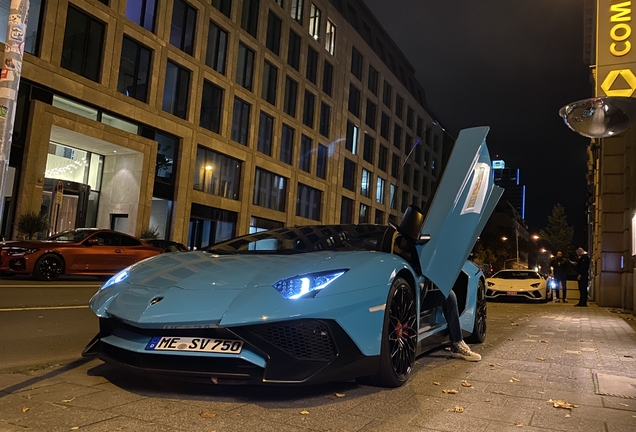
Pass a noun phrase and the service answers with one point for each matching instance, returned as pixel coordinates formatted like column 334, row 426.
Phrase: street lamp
column 504, row 238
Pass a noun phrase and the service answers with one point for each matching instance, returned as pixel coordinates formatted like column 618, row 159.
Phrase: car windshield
column 517, row 275
column 304, row 239
column 74, row 236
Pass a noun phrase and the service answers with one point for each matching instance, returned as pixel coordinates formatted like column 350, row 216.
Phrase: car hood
column 201, row 287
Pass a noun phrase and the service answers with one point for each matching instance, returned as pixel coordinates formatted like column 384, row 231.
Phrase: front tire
column 399, row 336
column 48, row 267
column 481, row 312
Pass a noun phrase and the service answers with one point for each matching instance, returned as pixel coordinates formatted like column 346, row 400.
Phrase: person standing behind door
column 559, row 271
column 583, row 275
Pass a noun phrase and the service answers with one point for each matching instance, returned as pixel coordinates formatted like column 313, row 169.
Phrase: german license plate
column 169, row 343
column 511, row 293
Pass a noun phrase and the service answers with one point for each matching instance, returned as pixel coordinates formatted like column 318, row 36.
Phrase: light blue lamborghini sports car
column 308, row 304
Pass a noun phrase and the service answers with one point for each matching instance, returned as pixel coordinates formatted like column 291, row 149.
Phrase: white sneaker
column 461, row 350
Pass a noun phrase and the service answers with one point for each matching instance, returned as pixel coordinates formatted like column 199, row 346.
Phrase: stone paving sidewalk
column 532, row 354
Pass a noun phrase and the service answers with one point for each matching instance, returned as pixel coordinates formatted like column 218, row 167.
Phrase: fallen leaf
column 436, row 383
column 561, row 403
column 541, row 358
column 541, row 392
column 492, row 365
column 340, row 395
column 568, row 415
column 510, row 339
column 457, row 409
column 304, row 412
column 452, row 391
column 75, row 428
column 514, row 324
column 466, row 384
column 544, row 341
column 207, row 414
column 25, row 409
column 518, row 424
column 621, row 404
column 487, row 400
column 628, row 356
column 498, row 392
column 513, row 379
column 68, row 400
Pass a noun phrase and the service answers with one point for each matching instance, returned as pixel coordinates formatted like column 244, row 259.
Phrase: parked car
column 83, row 251
column 518, row 284
column 168, row 245
column 308, row 303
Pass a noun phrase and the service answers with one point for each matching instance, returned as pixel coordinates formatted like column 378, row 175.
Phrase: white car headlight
column 306, row 285
column 117, row 278
column 490, row 283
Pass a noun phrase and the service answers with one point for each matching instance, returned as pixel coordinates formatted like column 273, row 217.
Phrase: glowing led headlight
column 117, row 278
column 306, row 285
column 490, row 283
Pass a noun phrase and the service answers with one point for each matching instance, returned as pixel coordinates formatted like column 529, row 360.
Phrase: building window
column 297, row 11
column 270, row 190
column 287, row 144
column 211, row 107
column 325, row 119
column 419, row 127
column 382, row 158
column 405, row 201
column 386, row 94
column 399, row 106
column 373, row 80
column 327, row 78
column 409, row 117
column 418, row 153
column 346, row 211
column 406, row 175
column 210, row 225
column 314, row 22
column 408, row 141
column 240, row 121
column 369, row 148
column 293, row 51
column 182, row 29
column 395, row 165
column 330, row 37
column 351, row 142
column 217, row 48
column 312, row 65
column 356, row 63
column 274, row 24
column 392, row 198
column 321, row 161
column 291, row 93
column 265, row 132
column 142, row 12
column 83, row 44
column 354, row 100
column 308, row 202
column 134, row 69
column 379, row 217
column 397, row 136
column 349, row 175
column 365, row 183
column 371, row 114
column 217, row 174
column 379, row 190
column 223, row 6
column 249, row 16
column 306, row 145
column 260, row 224
column 245, row 66
column 270, row 79
column 364, row 214
column 416, row 180
column 176, row 89
column 384, row 126
column 308, row 109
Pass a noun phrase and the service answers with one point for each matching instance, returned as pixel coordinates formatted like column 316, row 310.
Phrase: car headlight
column 306, row 285
column 117, row 278
column 15, row 251
column 490, row 284
column 535, row 285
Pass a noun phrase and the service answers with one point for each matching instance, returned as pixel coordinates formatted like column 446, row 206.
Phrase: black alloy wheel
column 399, row 336
column 481, row 312
column 49, row 267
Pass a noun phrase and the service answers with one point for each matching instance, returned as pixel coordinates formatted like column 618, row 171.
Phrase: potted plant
column 31, row 223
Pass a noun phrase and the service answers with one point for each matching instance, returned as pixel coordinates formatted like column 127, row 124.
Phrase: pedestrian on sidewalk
column 583, row 275
column 559, row 271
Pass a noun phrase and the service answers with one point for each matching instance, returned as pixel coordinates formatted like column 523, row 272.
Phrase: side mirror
column 92, row 242
column 424, row 238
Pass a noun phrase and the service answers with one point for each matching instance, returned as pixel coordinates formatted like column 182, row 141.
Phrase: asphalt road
column 42, row 324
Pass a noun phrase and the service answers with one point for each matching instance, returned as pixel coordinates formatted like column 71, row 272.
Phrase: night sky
column 510, row 65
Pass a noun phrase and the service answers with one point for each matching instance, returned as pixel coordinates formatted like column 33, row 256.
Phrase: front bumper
column 534, row 295
column 290, row 352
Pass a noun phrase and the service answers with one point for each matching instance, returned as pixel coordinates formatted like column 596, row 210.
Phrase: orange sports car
column 83, row 251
